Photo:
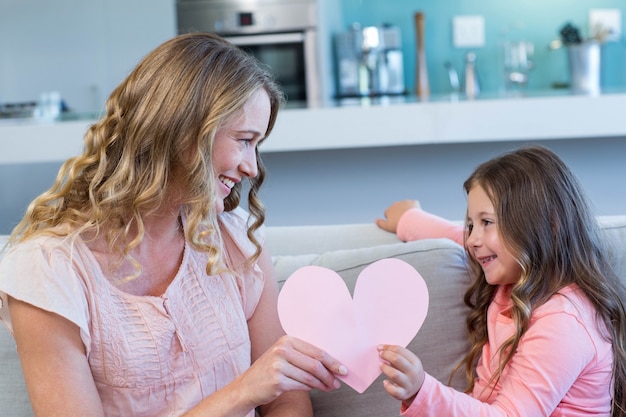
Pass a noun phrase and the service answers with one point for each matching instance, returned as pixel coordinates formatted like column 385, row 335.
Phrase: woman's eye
column 246, row 141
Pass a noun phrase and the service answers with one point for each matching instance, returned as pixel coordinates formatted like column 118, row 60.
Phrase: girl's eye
column 487, row 222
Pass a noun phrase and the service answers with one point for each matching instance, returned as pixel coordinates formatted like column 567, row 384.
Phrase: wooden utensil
column 422, row 87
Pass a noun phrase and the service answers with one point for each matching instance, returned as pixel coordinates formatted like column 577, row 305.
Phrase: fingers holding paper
column 404, row 372
column 292, row 365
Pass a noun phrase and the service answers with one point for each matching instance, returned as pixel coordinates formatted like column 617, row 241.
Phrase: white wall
column 81, row 48
column 90, row 45
column 356, row 185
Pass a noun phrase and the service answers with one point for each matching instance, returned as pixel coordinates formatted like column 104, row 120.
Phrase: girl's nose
column 473, row 238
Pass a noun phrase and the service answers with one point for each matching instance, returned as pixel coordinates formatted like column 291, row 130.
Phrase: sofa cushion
column 614, row 229
column 14, row 400
column 440, row 343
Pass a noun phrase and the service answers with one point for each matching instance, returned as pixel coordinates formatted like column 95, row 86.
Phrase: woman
column 135, row 285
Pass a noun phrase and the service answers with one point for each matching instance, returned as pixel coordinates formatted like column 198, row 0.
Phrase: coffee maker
column 369, row 61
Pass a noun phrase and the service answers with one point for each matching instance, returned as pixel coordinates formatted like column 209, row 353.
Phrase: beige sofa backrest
column 441, row 342
column 348, row 249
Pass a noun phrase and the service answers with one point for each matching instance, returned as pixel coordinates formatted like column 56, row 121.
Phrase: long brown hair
column 545, row 221
column 168, row 108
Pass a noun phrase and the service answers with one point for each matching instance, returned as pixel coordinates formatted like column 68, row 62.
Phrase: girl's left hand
column 393, row 214
column 404, row 372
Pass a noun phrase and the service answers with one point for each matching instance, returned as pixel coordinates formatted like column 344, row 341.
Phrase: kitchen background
column 537, row 21
column 82, row 49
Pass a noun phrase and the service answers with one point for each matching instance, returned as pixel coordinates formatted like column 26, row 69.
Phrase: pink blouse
column 150, row 356
column 562, row 367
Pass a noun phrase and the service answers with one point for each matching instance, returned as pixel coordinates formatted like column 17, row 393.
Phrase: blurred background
column 82, row 49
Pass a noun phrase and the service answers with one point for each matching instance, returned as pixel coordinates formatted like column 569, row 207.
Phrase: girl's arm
column 561, row 364
column 410, row 222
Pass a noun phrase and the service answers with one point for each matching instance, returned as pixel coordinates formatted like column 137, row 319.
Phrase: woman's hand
column 393, row 214
column 404, row 372
column 290, row 365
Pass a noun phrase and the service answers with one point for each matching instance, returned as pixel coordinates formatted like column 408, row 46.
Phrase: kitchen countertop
column 374, row 123
column 555, row 116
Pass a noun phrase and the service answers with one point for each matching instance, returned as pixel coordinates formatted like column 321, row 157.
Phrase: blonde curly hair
column 166, row 110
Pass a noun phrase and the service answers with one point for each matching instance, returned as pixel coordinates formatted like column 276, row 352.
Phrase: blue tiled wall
column 538, row 21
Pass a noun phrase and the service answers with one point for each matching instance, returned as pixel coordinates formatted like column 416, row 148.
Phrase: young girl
column 547, row 328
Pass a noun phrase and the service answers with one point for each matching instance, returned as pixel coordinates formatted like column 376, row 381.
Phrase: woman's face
column 483, row 241
column 234, row 147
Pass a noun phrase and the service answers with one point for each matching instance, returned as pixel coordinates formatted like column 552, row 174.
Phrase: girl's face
column 483, row 241
column 234, row 147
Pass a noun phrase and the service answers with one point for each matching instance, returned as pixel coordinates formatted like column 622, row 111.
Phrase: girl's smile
column 484, row 243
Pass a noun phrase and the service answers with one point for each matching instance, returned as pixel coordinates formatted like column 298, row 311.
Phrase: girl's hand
column 404, row 372
column 393, row 214
column 290, row 365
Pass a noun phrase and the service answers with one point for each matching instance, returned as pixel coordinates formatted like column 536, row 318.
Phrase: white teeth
column 484, row 261
column 227, row 182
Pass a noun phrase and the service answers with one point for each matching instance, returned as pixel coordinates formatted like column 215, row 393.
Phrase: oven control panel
column 225, row 19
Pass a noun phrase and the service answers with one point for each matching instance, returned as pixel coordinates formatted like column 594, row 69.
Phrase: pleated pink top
column 150, row 356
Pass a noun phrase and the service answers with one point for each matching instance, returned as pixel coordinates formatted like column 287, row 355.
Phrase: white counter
column 363, row 126
column 536, row 118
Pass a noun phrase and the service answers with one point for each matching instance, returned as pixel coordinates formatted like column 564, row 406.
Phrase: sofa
column 348, row 249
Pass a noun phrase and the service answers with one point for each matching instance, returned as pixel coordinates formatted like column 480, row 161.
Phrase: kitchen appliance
column 282, row 34
column 471, row 84
column 584, row 67
column 369, row 61
column 422, row 85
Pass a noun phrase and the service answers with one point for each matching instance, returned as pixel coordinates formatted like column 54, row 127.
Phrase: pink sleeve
column 417, row 224
column 550, row 375
column 435, row 399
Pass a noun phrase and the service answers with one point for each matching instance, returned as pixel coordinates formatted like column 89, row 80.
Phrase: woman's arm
column 302, row 366
column 283, row 368
column 54, row 363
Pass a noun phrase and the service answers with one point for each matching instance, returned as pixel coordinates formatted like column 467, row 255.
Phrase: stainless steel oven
column 280, row 33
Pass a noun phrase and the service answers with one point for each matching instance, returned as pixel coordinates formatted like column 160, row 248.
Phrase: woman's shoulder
column 237, row 222
column 237, row 215
column 44, row 253
column 43, row 243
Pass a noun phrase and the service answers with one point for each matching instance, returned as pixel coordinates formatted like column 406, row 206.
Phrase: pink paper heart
column 389, row 307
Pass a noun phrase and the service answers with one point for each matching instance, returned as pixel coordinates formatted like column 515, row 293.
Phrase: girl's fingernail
column 336, row 384
column 343, row 370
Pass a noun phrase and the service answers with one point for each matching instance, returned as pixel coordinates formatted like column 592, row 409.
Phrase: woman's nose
column 249, row 165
